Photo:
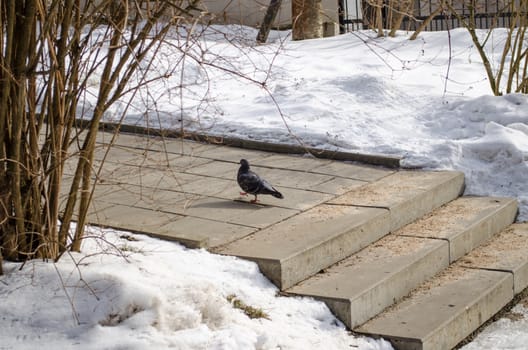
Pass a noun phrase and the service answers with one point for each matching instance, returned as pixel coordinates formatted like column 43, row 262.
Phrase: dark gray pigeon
column 253, row 184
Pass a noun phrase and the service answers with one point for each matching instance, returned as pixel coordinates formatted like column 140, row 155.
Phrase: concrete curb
column 373, row 159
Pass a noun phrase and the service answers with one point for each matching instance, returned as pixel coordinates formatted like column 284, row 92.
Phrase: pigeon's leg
column 243, row 194
column 254, row 200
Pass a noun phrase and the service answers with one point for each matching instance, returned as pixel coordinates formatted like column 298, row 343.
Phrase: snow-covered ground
column 163, row 296
column 427, row 100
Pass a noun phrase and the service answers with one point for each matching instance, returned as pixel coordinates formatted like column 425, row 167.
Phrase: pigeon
column 253, row 184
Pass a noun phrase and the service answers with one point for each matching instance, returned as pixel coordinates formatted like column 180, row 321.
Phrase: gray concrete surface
column 506, row 251
column 191, row 191
column 443, row 311
column 295, row 249
column 364, row 284
column 187, row 192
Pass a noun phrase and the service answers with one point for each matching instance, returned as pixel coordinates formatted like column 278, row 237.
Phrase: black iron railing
column 358, row 14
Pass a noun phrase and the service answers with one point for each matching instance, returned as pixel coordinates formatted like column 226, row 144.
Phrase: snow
column 135, row 292
column 426, row 100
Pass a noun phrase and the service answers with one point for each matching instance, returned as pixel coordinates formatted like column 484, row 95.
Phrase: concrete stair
column 403, row 258
column 442, row 311
column 363, row 285
column 293, row 250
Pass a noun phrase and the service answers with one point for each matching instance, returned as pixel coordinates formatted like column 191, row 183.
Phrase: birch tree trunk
column 307, row 19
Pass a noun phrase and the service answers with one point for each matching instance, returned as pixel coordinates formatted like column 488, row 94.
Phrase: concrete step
column 408, row 195
column 507, row 251
column 361, row 286
column 446, row 309
column 465, row 223
column 293, row 250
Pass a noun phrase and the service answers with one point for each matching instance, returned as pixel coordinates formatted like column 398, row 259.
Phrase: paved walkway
column 187, row 191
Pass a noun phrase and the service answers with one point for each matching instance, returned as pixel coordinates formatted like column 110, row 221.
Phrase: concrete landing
column 186, row 191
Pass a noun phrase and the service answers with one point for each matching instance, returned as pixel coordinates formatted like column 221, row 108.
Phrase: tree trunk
column 403, row 9
column 426, row 22
column 271, row 14
column 307, row 19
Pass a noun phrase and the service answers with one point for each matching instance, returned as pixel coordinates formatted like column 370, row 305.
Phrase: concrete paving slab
column 163, row 178
column 144, row 197
column 264, row 217
column 506, row 251
column 303, row 180
column 120, row 154
column 234, row 155
column 297, row 248
column 134, row 219
column 169, row 220
column 100, row 190
column 353, row 171
column 292, row 162
column 339, row 185
column 407, row 194
column 237, row 212
column 216, row 168
column 70, row 165
column 211, row 186
column 182, row 162
column 156, row 143
column 295, row 199
column 465, row 222
column 184, row 147
column 289, row 178
column 443, row 311
column 96, row 211
column 363, row 285
column 202, row 233
column 148, row 158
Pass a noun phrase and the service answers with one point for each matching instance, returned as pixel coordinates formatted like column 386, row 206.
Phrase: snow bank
column 159, row 295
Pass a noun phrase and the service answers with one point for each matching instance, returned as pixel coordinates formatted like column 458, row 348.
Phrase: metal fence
column 357, row 14
column 350, row 15
column 487, row 14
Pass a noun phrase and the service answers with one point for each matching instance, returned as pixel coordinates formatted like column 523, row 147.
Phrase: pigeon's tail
column 277, row 194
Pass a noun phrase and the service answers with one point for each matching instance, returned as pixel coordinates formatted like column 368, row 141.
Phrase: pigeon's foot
column 243, row 194
column 254, row 200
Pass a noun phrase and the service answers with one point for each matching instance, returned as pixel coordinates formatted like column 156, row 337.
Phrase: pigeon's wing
column 267, row 188
column 249, row 182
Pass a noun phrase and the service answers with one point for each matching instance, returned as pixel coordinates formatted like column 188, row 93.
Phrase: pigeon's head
column 244, row 164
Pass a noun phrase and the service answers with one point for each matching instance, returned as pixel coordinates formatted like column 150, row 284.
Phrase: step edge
column 500, row 212
column 461, row 311
column 382, row 228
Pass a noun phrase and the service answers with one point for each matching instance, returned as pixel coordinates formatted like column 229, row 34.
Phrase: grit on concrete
column 187, row 191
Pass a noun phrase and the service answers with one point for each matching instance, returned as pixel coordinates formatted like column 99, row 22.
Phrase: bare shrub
column 51, row 51
column 513, row 62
